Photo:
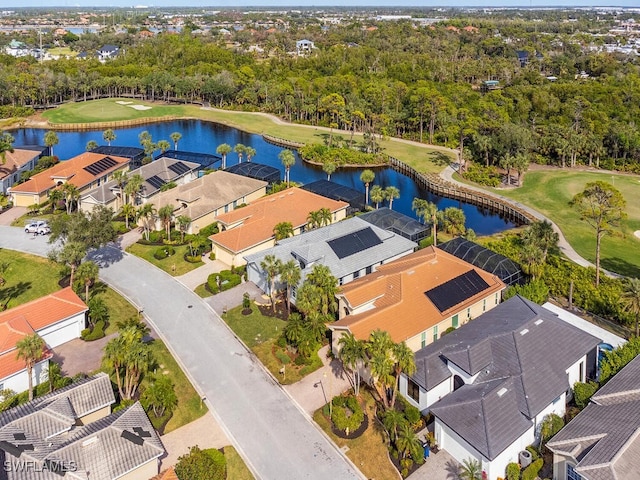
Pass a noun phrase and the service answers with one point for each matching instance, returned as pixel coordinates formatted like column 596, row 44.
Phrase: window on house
column 468, row 312
column 435, row 333
column 454, row 321
column 581, row 372
column 572, row 474
column 369, row 269
column 496, row 299
column 356, row 274
column 423, row 339
column 413, row 390
column 226, row 208
column 484, row 305
column 293, row 292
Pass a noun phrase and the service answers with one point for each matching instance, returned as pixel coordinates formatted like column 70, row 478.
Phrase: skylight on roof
column 539, row 321
column 524, row 332
column 502, row 391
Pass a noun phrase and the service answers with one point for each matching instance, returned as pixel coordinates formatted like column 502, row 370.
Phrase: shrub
column 283, row 357
column 347, row 413
column 281, row 342
column 413, row 415
column 483, row 175
column 201, row 465
column 536, row 291
column 156, row 236
column 513, row 471
column 582, row 392
column 164, row 252
column 191, row 259
column 209, row 230
column 531, row 472
column 300, row 360
column 212, row 283
column 533, row 451
column 95, row 334
column 212, row 256
column 448, row 330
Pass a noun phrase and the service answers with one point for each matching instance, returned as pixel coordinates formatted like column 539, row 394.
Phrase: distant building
column 108, row 51
column 304, row 47
column 22, row 159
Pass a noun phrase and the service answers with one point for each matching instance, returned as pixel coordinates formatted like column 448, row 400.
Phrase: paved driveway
column 275, row 438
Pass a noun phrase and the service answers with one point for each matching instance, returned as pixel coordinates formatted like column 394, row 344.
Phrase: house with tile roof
column 71, row 433
column 491, row 383
column 416, row 298
column 249, row 230
column 155, row 175
column 205, row 199
column 85, row 171
column 603, row 441
column 22, row 159
column 57, row 318
column 350, row 249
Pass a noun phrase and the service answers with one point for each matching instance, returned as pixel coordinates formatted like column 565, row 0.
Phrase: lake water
column 204, row 137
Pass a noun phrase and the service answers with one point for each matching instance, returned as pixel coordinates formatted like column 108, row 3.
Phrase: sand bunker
column 637, row 233
column 122, row 102
column 140, row 107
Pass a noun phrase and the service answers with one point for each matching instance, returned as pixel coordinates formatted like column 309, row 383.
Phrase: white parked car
column 40, row 227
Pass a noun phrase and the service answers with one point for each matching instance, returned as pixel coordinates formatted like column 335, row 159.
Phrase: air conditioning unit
column 525, row 458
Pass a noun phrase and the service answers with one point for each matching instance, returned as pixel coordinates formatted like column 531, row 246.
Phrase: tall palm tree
column 163, row 145
column 271, row 267
column 133, row 187
column 128, row 211
column 377, row 195
column 325, row 216
column 290, row 275
column 427, row 210
column 327, row 287
column 393, row 420
column 108, row 136
column 367, row 176
column 223, row 150
column 288, row 160
column 313, row 219
column 381, row 363
column 329, row 168
column 120, row 177
column 91, row 145
column 239, row 149
column 175, row 137
column 631, row 300
column 404, row 363
column 50, row 140
column 87, row 274
column 408, row 444
column 183, row 222
column 30, row 349
column 71, row 194
column 391, row 193
column 55, row 196
column 6, row 145
column 146, row 215
column 283, row 230
column 250, row 152
column 165, row 214
column 353, row 355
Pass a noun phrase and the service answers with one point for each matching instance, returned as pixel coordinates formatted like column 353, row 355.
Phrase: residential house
column 155, row 175
column 107, row 51
column 206, row 198
column 603, row 441
column 134, row 154
column 259, row 171
column 71, row 433
column 304, row 47
column 17, row 49
column 353, row 197
column 22, row 159
column 85, row 171
column 57, row 318
column 350, row 249
column 416, row 299
column 397, row 222
column 205, row 160
column 491, row 383
column 250, row 229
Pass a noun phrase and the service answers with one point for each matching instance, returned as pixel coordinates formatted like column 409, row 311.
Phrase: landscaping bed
column 174, row 264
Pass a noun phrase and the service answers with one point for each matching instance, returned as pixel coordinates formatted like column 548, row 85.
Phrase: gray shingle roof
column 313, row 247
column 520, row 345
column 605, row 437
column 46, row 431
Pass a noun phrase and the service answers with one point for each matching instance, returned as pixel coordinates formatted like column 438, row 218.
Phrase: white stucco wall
column 427, row 398
column 19, row 382
column 558, row 406
column 577, row 371
column 63, row 331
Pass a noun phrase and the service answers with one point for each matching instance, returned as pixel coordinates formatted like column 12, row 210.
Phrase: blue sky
column 317, row 3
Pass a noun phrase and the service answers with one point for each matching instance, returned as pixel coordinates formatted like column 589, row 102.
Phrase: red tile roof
column 15, row 160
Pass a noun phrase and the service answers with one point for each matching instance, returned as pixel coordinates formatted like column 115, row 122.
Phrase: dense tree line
column 420, row 83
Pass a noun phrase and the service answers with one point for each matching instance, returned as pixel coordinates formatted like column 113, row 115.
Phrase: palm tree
column 30, row 350
column 325, row 216
column 631, row 300
column 70, row 254
column 50, row 140
column 146, row 214
column 163, row 145
column 133, row 186
column 326, row 288
column 283, row 230
column 408, row 444
column 313, row 219
column 404, row 363
column 71, row 194
column 393, row 420
column 471, row 469
column 223, row 150
column 250, row 152
column 271, row 267
column 425, row 209
column 91, row 145
column 542, row 235
column 329, row 168
column 352, row 354
column 175, row 137
column 128, row 211
column 183, row 223
column 165, row 214
column 120, row 177
column 239, row 149
column 377, row 195
column 367, row 176
column 108, row 136
column 379, row 351
column 55, row 196
column 6, row 145
column 87, row 274
column 288, row 160
column 390, row 193
column 290, row 275
column 454, row 219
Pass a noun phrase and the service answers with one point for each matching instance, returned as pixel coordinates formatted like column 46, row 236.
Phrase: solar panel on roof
column 141, row 432
column 179, row 168
column 456, row 290
column 355, row 242
column 100, row 166
column 156, row 181
column 132, row 437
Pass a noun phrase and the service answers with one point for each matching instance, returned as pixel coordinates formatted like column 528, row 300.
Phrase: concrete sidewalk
column 8, row 216
column 199, row 275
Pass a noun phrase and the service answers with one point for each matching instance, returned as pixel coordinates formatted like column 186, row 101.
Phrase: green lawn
column 236, row 468
column 119, row 308
column 107, row 110
column 27, row 278
column 260, row 334
column 549, row 191
column 174, row 265
column 202, row 291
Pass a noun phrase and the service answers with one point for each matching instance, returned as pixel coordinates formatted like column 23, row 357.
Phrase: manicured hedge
column 228, row 280
column 341, row 420
column 164, row 252
column 95, row 334
column 532, row 471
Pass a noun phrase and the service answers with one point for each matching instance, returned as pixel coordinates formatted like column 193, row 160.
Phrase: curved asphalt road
column 275, row 438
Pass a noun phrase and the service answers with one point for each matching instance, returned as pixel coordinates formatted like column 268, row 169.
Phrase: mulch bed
column 396, row 463
column 281, row 311
column 352, row 435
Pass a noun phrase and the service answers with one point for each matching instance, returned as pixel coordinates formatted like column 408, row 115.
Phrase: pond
column 204, row 137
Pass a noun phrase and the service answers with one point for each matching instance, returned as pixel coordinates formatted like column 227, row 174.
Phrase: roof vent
column 502, row 391
column 411, row 272
column 524, row 332
column 539, row 321
column 90, row 441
